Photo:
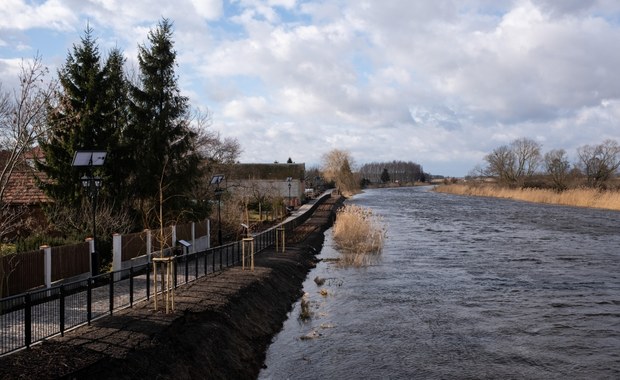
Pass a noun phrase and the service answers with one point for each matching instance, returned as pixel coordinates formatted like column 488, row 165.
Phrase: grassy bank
column 575, row 197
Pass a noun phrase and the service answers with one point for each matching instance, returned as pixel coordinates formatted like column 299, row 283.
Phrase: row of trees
column 159, row 149
column 395, row 171
column 336, row 167
column 518, row 163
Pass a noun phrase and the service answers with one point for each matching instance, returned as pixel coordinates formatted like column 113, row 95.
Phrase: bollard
column 249, row 242
column 280, row 234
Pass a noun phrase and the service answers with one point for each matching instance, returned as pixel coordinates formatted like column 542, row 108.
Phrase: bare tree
column 527, row 158
column 209, row 143
column 336, row 166
column 22, row 122
column 22, row 117
column 500, row 163
column 599, row 162
column 557, row 166
column 513, row 163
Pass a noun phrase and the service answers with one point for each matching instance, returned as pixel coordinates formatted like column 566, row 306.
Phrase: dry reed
column 359, row 235
column 581, row 197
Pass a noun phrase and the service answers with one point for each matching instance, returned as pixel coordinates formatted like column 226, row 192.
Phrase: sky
column 441, row 83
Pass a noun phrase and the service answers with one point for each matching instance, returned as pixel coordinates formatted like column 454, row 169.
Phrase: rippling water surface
column 466, row 288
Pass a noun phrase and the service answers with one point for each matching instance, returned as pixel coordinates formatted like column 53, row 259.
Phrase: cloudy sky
column 440, row 83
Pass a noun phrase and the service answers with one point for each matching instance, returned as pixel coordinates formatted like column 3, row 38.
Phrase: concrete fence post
column 208, row 233
column 117, row 252
column 173, row 240
column 47, row 265
column 193, row 247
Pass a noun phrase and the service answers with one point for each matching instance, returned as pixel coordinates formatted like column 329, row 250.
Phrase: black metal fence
column 34, row 316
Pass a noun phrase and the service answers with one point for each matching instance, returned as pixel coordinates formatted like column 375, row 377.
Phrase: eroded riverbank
column 221, row 327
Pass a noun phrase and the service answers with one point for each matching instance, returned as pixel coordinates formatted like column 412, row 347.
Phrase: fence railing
column 34, row 316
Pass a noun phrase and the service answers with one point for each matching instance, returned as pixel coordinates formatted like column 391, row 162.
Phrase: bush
column 358, row 234
column 33, row 242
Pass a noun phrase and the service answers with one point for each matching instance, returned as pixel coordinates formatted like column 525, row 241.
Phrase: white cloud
column 21, row 15
column 249, row 108
column 210, row 10
column 437, row 82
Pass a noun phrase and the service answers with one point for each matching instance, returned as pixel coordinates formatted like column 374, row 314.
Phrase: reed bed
column 359, row 235
column 581, row 197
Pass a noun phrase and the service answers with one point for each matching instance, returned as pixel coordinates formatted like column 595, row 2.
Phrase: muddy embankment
column 220, row 329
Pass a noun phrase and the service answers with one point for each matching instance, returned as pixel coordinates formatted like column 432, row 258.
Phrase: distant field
column 575, row 197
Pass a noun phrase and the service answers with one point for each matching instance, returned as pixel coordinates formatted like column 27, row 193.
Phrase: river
column 466, row 288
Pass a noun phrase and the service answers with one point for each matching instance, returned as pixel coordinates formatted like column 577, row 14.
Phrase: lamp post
column 289, row 179
column 215, row 180
column 91, row 159
column 92, row 186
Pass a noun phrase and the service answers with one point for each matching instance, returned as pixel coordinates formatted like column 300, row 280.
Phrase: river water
column 466, row 288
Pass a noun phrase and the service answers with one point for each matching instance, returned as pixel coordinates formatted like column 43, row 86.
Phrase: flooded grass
column 359, row 235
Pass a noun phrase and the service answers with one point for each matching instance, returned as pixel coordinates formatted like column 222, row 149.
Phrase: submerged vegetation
column 581, row 197
column 359, row 235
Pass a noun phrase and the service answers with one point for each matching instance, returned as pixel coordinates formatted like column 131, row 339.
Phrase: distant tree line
column 394, row 171
column 523, row 164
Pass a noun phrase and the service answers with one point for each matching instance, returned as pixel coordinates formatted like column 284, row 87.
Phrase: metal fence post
column 220, row 248
column 62, row 310
column 148, row 281
column 174, row 267
column 27, row 320
column 111, row 292
column 131, row 286
column 185, row 256
column 196, row 263
column 89, row 300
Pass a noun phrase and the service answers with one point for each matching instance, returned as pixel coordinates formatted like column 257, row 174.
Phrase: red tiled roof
column 22, row 189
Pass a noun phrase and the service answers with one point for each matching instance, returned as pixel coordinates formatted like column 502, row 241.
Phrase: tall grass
column 582, row 197
column 359, row 235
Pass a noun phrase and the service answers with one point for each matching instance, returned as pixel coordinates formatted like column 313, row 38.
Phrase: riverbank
column 220, row 329
column 591, row 198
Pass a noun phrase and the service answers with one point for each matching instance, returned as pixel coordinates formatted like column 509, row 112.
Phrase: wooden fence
column 70, row 260
column 134, row 245
column 22, row 271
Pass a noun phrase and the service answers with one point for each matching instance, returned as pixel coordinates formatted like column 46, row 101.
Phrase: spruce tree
column 163, row 144
column 77, row 122
column 385, row 176
column 119, row 160
column 91, row 114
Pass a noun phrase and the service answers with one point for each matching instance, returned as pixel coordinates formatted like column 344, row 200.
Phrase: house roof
column 22, row 189
column 267, row 171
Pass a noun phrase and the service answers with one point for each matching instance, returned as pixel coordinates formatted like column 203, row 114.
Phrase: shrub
column 358, row 234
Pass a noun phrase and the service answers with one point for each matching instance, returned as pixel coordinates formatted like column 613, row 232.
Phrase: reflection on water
column 466, row 288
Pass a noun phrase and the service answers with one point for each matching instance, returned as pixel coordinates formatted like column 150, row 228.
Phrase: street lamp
column 289, row 179
column 92, row 184
column 216, row 180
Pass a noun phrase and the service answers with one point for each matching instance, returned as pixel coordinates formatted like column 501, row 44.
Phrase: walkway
column 222, row 324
